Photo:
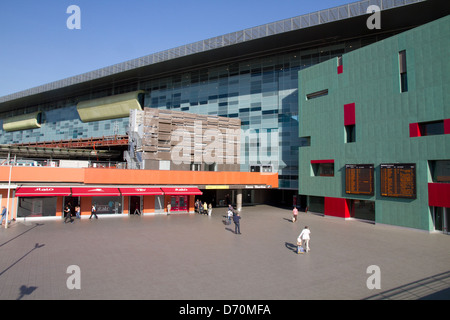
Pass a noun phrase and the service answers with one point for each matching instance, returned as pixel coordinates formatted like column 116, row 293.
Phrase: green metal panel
column 371, row 80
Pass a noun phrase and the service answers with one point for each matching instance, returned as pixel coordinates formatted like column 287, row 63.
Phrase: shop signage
column 217, row 187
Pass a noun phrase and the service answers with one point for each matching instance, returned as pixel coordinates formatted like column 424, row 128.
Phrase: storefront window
column 108, row 205
column 363, row 209
column 36, row 207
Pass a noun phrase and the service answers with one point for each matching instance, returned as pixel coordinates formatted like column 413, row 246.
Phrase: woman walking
column 304, row 236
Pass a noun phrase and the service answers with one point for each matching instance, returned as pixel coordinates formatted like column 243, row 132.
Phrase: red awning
column 140, row 191
column 95, row 192
column 42, row 192
column 182, row 191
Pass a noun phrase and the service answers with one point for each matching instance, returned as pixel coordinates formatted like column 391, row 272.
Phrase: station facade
column 251, row 76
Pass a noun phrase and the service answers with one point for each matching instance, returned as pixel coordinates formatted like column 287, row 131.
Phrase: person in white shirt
column 305, row 237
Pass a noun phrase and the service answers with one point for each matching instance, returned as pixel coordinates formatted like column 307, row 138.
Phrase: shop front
column 181, row 199
column 141, row 200
column 40, row 201
column 105, row 200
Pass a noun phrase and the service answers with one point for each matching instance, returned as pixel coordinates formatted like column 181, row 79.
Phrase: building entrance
column 441, row 219
column 135, row 205
column 179, row 203
column 70, row 202
column 362, row 209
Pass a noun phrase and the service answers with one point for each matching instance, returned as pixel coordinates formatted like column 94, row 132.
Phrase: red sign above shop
column 95, row 192
column 140, row 191
column 182, row 191
column 42, row 192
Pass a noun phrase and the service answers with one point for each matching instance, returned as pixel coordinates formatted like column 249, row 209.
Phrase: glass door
column 182, row 203
column 438, row 218
column 159, row 203
column 446, row 221
column 441, row 219
column 179, row 203
column 174, row 203
column 135, row 205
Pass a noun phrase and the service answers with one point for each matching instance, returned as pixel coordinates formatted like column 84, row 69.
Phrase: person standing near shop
column 209, row 209
column 93, row 212
column 237, row 223
column 196, row 209
column 77, row 212
column 169, row 207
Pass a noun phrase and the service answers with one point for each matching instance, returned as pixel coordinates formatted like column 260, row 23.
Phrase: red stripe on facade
column 323, row 161
column 414, row 130
column 349, row 114
column 446, row 126
column 439, row 195
column 337, row 207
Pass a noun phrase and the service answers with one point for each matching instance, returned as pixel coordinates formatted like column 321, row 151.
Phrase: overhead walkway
column 56, row 153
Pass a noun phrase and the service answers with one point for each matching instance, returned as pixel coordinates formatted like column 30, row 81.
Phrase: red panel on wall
column 337, row 207
column 340, row 69
column 323, row 161
column 439, row 194
column 446, row 126
column 349, row 114
column 414, row 130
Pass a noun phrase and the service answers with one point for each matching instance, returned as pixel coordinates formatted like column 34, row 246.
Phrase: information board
column 359, row 179
column 398, row 180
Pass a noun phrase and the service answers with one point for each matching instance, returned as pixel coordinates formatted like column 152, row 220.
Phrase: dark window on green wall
column 317, row 94
column 431, row 128
column 350, row 133
column 403, row 74
column 440, row 170
column 323, row 169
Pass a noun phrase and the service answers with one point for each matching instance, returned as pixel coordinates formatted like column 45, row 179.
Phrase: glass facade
column 261, row 92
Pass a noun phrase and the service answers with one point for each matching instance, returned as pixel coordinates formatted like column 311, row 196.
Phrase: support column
column 239, row 200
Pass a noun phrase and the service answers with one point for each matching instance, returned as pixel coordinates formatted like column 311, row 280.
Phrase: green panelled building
column 376, row 130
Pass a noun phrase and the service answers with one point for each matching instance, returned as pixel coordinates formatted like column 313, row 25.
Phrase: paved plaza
column 197, row 257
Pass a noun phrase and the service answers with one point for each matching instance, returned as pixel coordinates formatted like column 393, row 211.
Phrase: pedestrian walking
column 205, row 207
column 237, row 224
column 294, row 214
column 304, row 237
column 169, row 207
column 77, row 212
column 68, row 215
column 93, row 212
column 4, row 216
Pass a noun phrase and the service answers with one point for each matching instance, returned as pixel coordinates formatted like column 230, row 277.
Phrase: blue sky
column 36, row 47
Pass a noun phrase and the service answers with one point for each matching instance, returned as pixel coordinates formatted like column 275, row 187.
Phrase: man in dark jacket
column 237, row 227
